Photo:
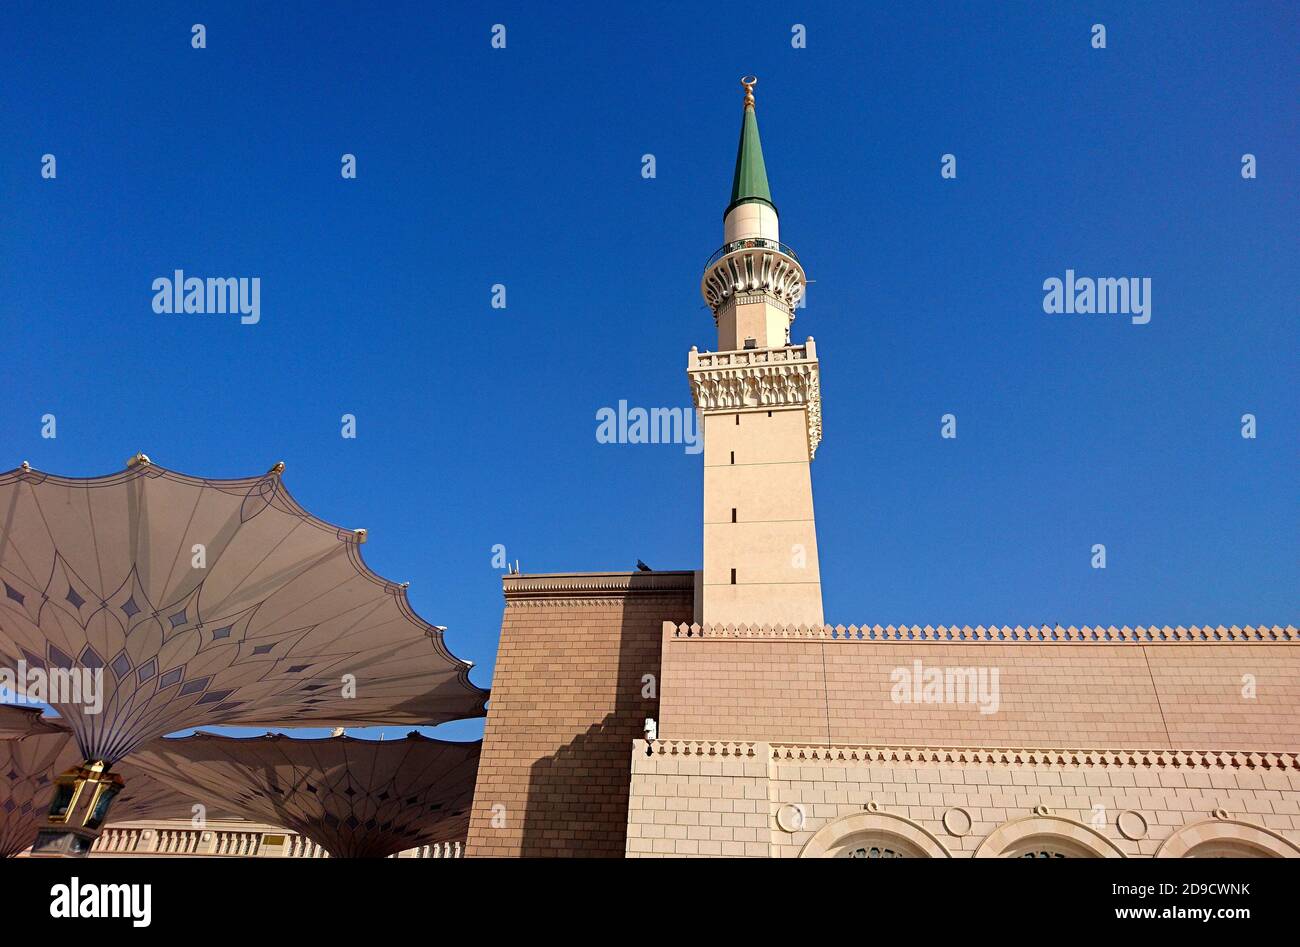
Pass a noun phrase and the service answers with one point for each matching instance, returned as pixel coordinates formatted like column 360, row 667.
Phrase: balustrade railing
column 750, row 243
column 744, row 358
column 232, row 843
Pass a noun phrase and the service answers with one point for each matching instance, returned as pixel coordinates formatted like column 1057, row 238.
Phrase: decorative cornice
column 1251, row 634
column 613, row 599
column 595, row 588
column 866, row 754
column 1003, row 756
column 757, row 379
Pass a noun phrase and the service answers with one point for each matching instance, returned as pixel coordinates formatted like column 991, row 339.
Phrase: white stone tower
column 759, row 400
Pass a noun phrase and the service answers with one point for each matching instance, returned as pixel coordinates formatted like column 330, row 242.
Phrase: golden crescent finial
column 748, row 82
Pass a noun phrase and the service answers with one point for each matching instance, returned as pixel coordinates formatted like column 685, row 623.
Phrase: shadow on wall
column 575, row 807
column 578, row 796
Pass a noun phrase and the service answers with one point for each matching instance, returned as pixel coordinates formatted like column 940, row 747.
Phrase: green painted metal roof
column 750, row 181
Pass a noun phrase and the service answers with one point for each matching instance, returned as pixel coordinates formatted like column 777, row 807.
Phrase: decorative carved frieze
column 760, row 378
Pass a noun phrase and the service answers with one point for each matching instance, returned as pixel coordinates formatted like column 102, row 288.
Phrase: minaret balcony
column 749, row 358
column 757, row 379
column 753, row 265
column 747, row 243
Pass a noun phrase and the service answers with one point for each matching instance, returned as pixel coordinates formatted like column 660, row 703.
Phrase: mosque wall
column 695, row 798
column 925, row 742
column 577, row 674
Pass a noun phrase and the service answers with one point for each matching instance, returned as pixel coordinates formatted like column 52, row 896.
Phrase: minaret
column 759, row 399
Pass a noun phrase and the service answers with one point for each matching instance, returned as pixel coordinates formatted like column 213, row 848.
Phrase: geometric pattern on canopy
column 144, row 797
column 100, row 574
column 354, row 798
column 29, row 765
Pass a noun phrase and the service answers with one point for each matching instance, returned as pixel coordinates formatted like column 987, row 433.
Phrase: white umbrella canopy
column 28, row 767
column 354, row 798
column 30, row 763
column 199, row 602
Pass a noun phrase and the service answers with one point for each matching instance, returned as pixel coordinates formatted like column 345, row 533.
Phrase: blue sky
column 522, row 166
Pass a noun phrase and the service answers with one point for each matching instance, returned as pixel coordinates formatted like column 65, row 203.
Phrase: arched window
column 873, row 835
column 1228, row 848
column 1050, row 845
column 1046, row 836
column 1227, row 838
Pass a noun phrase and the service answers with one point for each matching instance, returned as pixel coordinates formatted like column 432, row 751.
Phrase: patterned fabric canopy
column 354, row 798
column 30, row 763
column 28, row 767
column 202, row 602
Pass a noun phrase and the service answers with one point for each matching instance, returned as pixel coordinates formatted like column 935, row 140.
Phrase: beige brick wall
column 705, row 799
column 777, row 740
column 566, row 704
column 567, row 708
column 698, row 806
column 1085, row 693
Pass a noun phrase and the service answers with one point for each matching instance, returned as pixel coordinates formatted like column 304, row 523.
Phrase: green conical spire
column 750, row 181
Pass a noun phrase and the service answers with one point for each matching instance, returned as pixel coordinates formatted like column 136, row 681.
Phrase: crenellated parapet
column 822, row 754
column 1113, row 759
column 993, row 634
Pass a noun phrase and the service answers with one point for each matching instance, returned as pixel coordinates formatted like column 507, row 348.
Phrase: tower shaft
column 759, row 398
